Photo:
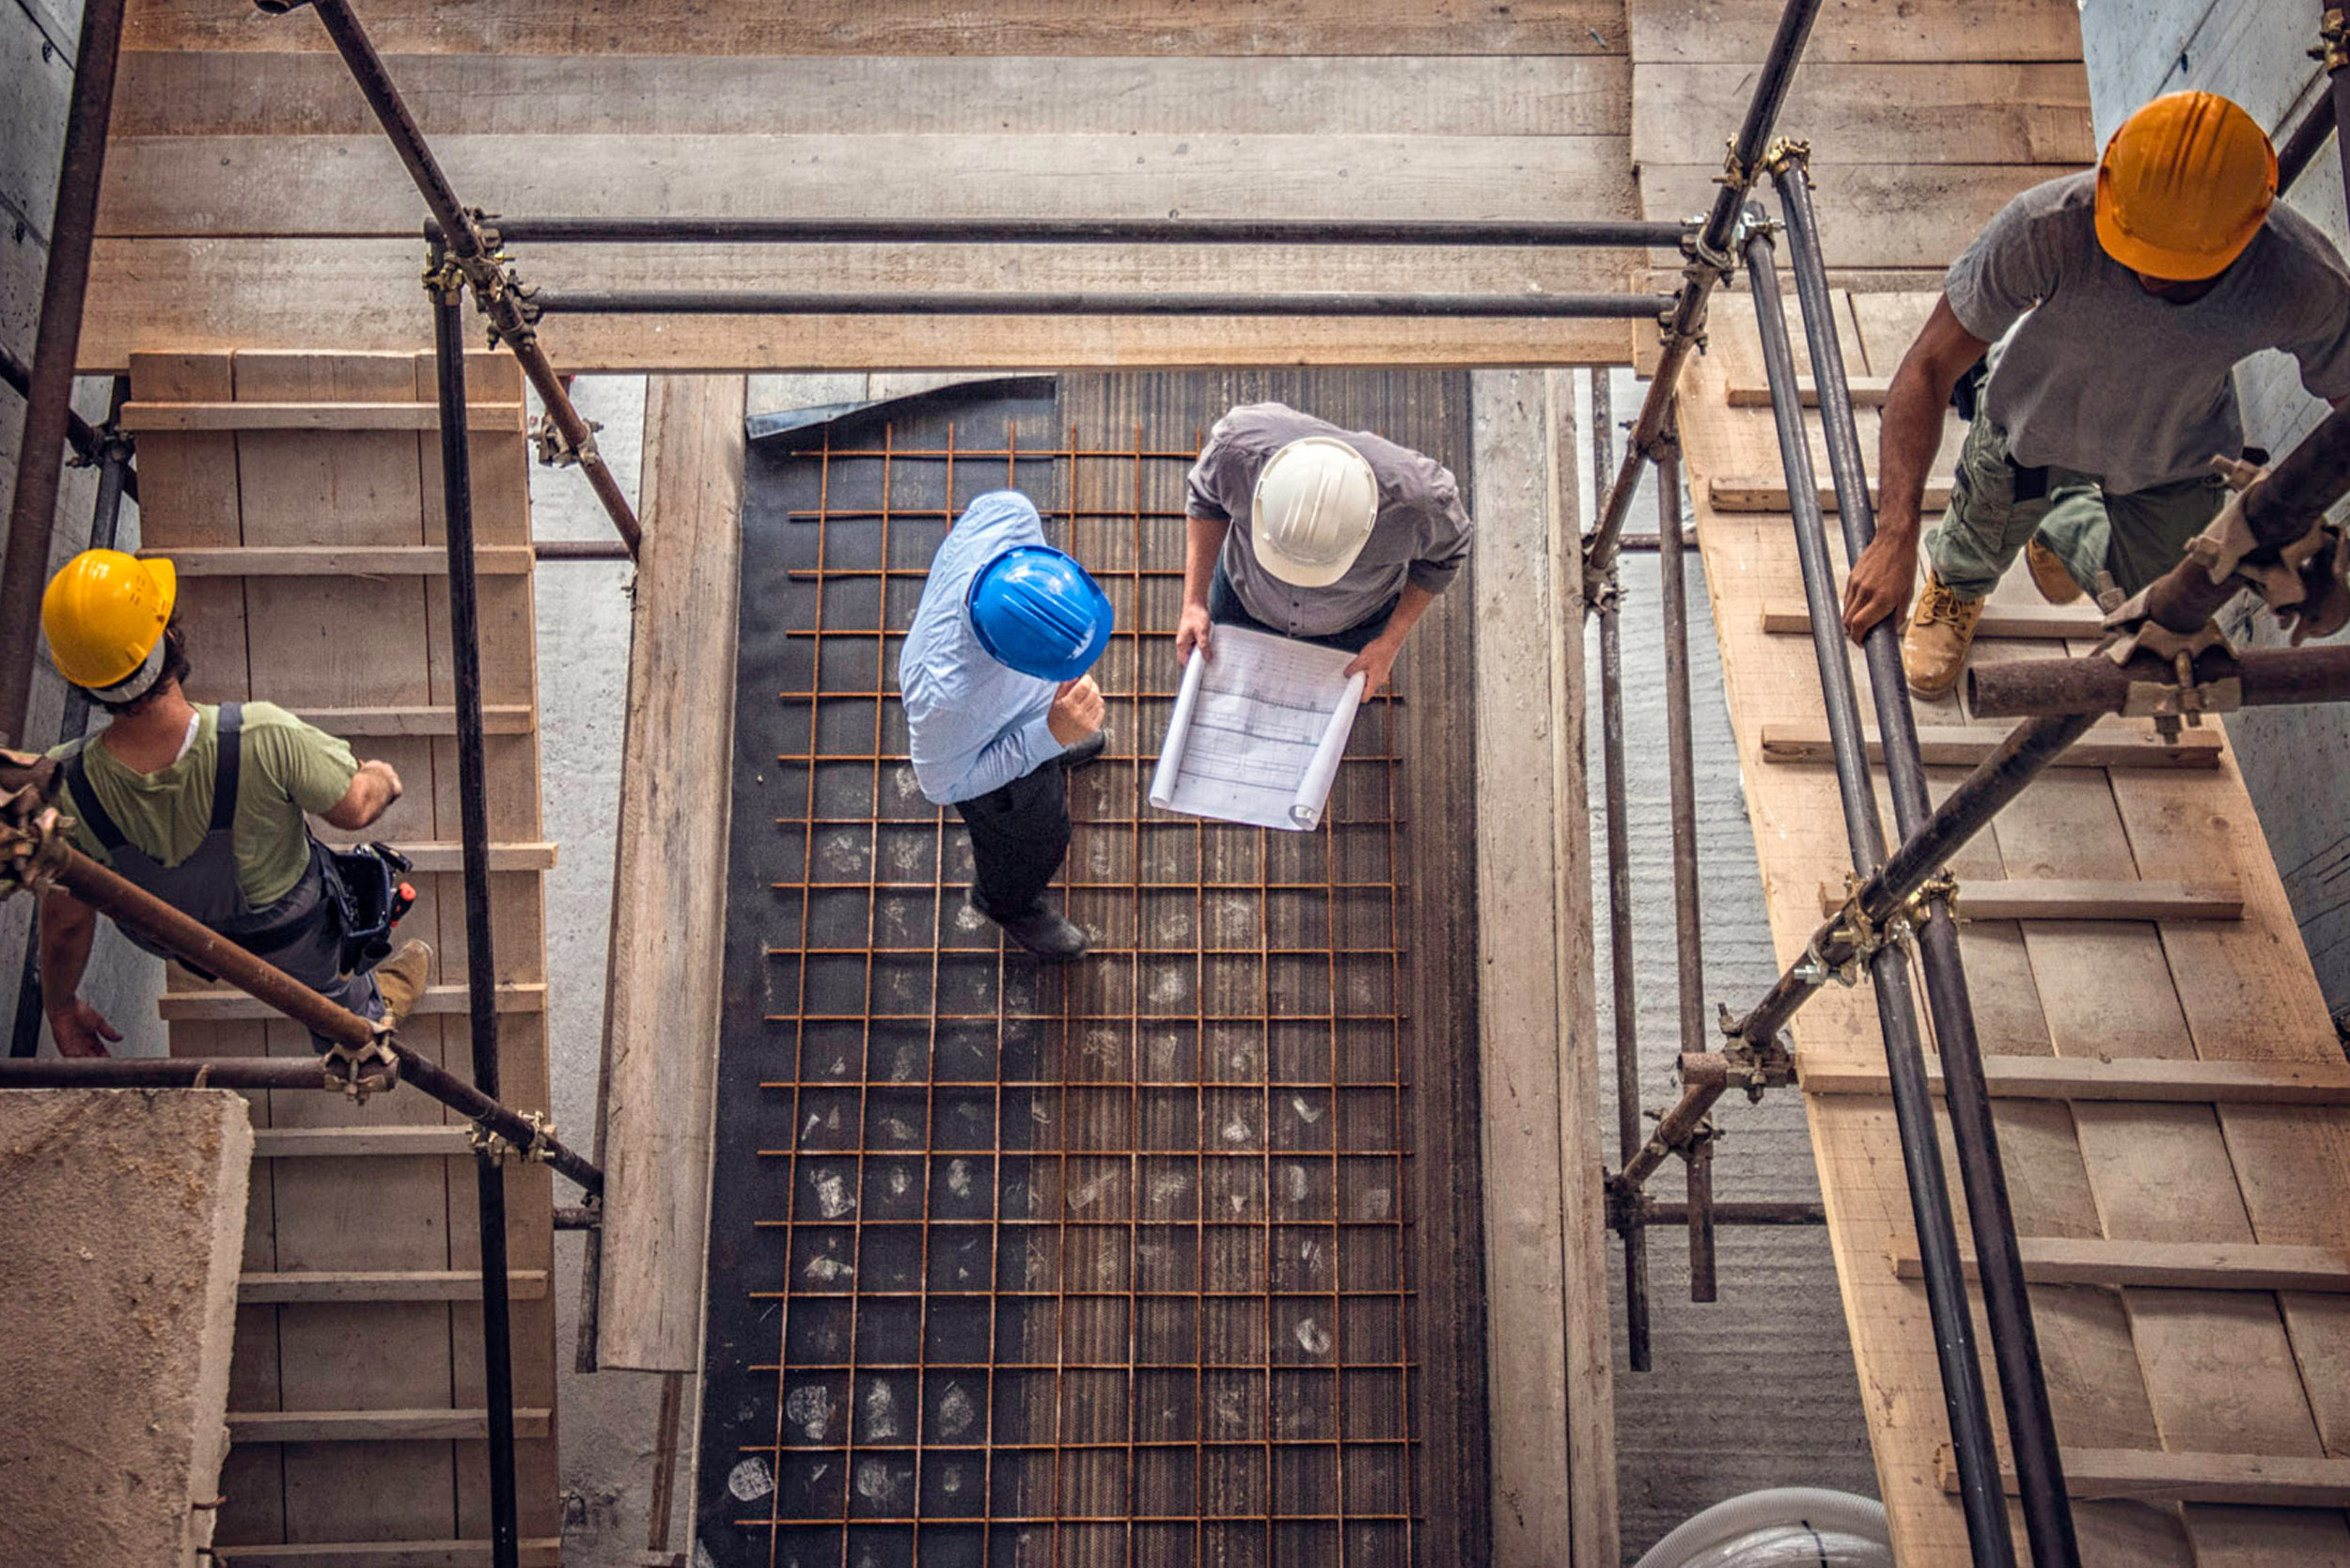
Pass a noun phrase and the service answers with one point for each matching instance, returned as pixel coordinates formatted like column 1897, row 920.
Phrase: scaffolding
column 1901, row 894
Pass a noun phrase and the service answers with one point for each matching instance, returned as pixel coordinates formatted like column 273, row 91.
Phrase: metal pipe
column 1974, row 1135
column 254, row 1072
column 1735, row 1214
column 1709, row 260
column 89, row 443
column 497, row 1361
column 1615, row 794
column 48, row 385
column 113, row 472
column 1144, row 231
column 711, row 302
column 2334, row 50
column 1680, row 746
column 2265, row 677
column 2300, row 149
column 580, row 550
column 2278, row 508
column 1699, row 1158
column 498, row 293
column 1981, row 1495
column 207, row 950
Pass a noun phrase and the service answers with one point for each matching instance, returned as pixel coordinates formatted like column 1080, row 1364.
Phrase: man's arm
column 373, row 789
column 1909, row 435
column 67, row 925
column 1377, row 659
column 1203, row 540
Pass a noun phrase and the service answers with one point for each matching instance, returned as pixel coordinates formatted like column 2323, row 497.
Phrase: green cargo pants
column 1995, row 507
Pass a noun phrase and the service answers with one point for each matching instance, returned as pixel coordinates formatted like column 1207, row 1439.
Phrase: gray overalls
column 300, row 934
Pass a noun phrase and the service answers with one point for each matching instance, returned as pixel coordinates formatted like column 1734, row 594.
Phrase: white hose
column 1788, row 1527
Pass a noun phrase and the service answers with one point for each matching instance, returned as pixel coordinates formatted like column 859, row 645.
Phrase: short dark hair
column 175, row 671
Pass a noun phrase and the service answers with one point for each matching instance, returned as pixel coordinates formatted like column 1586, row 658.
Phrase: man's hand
column 1374, row 662
column 1879, row 584
column 1191, row 630
column 81, row 1029
column 1077, row 711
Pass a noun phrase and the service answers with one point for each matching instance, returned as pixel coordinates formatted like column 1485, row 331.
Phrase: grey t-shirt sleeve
column 2016, row 262
column 1213, row 474
column 2321, row 340
column 1450, row 529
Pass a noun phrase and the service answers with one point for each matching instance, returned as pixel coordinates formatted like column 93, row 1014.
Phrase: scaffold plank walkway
column 2189, row 1364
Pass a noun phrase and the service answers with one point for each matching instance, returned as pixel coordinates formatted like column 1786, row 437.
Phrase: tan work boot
column 1941, row 630
column 399, row 979
column 2048, row 574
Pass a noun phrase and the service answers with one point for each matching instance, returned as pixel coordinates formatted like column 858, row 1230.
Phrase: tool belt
column 366, row 886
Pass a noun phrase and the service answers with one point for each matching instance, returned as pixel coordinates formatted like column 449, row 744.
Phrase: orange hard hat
column 2184, row 184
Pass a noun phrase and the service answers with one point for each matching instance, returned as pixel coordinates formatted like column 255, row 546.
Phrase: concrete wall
column 37, row 44
column 2257, row 54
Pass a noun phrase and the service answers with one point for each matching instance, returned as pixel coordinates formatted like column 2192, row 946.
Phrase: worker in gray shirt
column 1334, row 537
column 2107, row 311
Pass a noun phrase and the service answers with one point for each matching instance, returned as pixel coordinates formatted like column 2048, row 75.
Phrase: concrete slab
column 121, row 1239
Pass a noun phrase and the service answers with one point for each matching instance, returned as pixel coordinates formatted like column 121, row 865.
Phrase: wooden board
column 363, row 649
column 1911, row 113
column 1873, row 215
column 2047, row 899
column 2168, row 1108
column 2078, row 621
column 842, row 27
column 2180, row 1266
column 2108, row 745
column 662, row 995
column 1859, row 30
column 1549, row 1355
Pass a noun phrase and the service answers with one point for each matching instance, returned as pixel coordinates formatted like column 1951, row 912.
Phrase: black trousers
column 1018, row 836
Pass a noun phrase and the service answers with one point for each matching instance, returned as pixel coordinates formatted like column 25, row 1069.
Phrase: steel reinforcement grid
column 1102, row 1265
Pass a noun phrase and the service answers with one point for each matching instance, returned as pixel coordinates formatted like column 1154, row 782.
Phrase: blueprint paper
column 1259, row 731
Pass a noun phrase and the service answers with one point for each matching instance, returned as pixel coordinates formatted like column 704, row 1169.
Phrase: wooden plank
column 1867, row 391
column 2257, row 1479
column 2177, row 1265
column 208, row 92
column 355, row 185
column 314, row 560
column 1742, row 492
column 293, row 1143
column 2146, row 1080
column 1545, row 1262
column 195, row 1005
column 1903, row 215
column 1997, row 621
column 523, row 1284
column 496, row 719
column 1152, row 27
column 1859, row 30
column 312, row 416
column 536, row 1552
column 207, row 295
column 375, row 1426
column 447, row 860
column 1913, row 112
column 2108, row 745
column 669, row 878
column 2045, row 899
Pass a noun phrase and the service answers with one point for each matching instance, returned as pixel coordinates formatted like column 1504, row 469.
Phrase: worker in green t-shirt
column 202, row 807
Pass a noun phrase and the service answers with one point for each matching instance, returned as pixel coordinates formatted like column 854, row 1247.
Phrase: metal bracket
column 1862, row 938
column 495, row 1146
column 1605, row 596
column 33, row 848
column 1751, row 1067
column 1788, row 153
column 360, row 1071
column 2332, row 49
column 554, row 449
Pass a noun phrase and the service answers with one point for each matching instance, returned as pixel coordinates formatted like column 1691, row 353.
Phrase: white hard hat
column 1316, row 501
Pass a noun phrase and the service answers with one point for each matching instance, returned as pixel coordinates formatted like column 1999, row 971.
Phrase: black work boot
column 1041, row 932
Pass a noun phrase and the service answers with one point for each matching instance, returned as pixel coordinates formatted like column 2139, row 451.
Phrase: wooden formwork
column 298, row 495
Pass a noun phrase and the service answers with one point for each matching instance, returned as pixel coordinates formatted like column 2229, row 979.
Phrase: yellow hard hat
column 2183, row 186
column 104, row 617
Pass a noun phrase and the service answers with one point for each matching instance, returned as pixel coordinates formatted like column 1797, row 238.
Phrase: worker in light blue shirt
column 998, row 705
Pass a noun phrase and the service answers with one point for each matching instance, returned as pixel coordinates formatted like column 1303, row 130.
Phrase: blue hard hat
column 1037, row 610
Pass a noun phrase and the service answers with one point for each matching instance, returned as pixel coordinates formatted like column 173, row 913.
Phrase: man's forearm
column 1909, row 436
column 67, row 926
column 1409, row 606
column 1203, row 540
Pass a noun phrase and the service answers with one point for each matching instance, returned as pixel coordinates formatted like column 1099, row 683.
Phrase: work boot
column 1941, row 630
column 1041, row 932
column 1087, row 749
column 399, row 979
column 2049, row 574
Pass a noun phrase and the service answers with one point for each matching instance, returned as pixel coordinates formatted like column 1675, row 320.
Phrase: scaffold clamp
column 556, row 450
column 360, row 1071
column 496, row 1147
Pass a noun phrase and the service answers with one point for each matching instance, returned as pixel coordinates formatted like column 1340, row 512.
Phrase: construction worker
column 1334, row 536
column 999, row 706
column 201, row 806
column 2107, row 310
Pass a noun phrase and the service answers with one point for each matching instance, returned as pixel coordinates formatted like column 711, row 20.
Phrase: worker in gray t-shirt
column 2099, row 318
column 1330, row 535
